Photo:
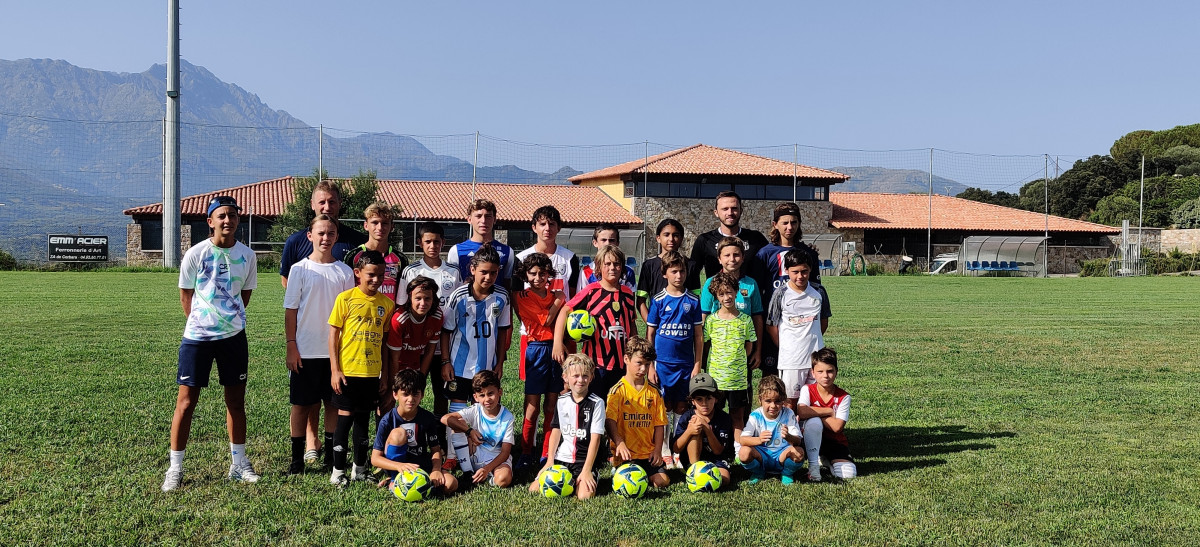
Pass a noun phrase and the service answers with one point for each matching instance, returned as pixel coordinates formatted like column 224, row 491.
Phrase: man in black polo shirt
column 729, row 212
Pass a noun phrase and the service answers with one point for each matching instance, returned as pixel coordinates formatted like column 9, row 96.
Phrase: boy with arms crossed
column 705, row 433
column 636, row 420
column 216, row 277
column 358, row 322
column 481, row 215
column 315, row 284
column 409, row 437
column 489, row 429
column 578, row 427
column 795, row 323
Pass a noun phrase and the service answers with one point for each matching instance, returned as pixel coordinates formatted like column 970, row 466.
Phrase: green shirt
column 727, row 357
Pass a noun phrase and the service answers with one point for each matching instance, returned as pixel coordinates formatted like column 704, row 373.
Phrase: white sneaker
column 814, row 474
column 359, row 473
column 243, row 473
column 173, row 480
column 338, row 478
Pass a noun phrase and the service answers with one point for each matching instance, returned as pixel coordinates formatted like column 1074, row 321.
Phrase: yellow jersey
column 637, row 412
column 363, row 320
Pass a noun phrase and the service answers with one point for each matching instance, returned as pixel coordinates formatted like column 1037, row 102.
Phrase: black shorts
column 459, row 389
column 832, row 450
column 604, row 380
column 577, row 468
column 435, row 381
column 358, row 395
column 196, row 358
column 738, row 399
column 686, row 462
column 646, row 466
column 310, row 385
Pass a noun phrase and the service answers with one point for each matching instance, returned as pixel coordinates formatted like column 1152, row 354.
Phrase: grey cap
column 702, row 382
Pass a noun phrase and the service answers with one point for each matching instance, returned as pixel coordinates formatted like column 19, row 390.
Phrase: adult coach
column 326, row 200
column 728, row 210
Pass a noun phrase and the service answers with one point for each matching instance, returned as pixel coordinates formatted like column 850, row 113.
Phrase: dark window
column 683, row 189
column 711, row 190
column 749, row 191
column 708, row 190
column 152, row 235
column 521, row 238
column 780, row 193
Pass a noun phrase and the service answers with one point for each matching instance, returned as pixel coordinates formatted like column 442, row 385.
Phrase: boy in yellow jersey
column 359, row 319
column 636, row 415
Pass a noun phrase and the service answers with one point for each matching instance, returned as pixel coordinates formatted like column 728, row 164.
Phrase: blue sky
column 999, row 77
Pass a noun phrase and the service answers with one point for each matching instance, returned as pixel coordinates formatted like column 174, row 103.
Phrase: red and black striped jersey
column 615, row 313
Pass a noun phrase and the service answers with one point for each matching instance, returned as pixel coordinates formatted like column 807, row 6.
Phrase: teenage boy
column 326, row 200
column 547, row 222
column 728, row 210
column 432, row 238
column 378, row 225
column 216, row 277
column 481, row 216
column 606, row 234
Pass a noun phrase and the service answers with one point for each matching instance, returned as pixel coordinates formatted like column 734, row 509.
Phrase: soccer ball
column 412, row 486
column 630, row 481
column 703, row 477
column 580, row 324
column 556, row 482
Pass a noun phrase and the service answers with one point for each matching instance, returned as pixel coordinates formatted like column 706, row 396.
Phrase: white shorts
column 795, row 380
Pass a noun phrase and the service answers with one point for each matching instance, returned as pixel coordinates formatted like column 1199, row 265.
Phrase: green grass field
column 986, row 411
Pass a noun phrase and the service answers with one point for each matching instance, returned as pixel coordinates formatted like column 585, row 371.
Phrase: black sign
column 77, row 248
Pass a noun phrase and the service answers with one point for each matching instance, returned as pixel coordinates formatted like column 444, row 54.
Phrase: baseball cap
column 222, row 201
column 702, row 382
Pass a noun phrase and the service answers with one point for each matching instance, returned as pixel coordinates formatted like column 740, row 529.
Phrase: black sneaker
column 295, row 468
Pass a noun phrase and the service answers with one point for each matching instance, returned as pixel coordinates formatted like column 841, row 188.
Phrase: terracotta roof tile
column 702, row 159
column 431, row 200
column 911, row 211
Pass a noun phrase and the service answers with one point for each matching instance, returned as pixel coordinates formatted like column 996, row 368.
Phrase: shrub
column 269, row 262
column 8, row 261
column 875, row 269
column 1093, row 268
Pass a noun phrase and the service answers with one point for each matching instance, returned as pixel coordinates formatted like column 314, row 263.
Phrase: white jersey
column 217, row 277
column 798, row 317
column 566, row 270
column 841, row 405
column 474, row 327
column 495, row 431
column 311, row 290
column 577, row 422
column 783, row 424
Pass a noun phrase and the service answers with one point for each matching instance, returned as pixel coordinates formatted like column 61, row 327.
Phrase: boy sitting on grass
column 489, row 430
column 578, row 427
column 769, row 438
column 408, row 437
column 636, row 416
column 705, row 433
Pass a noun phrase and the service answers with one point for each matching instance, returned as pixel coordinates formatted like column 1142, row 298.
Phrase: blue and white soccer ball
column 630, row 481
column 412, row 486
column 580, row 324
column 703, row 477
column 556, row 482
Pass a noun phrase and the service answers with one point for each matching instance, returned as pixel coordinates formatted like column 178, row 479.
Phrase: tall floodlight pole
column 321, row 153
column 474, row 165
column 929, row 232
column 1046, row 197
column 171, row 143
column 1141, row 200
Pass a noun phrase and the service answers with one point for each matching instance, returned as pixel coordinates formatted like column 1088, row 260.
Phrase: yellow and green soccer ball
column 556, row 482
column 630, row 481
column 703, row 477
column 412, row 486
column 580, row 324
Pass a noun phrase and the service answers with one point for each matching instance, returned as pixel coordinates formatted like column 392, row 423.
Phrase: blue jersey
column 460, row 255
column 675, row 320
column 474, row 327
column 749, row 301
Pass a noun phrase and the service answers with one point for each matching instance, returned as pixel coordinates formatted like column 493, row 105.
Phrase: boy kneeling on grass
column 409, row 437
column 578, row 426
column 489, row 430
column 705, row 433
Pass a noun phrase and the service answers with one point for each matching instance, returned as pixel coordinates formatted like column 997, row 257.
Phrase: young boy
column 606, row 234
column 415, row 331
column 795, row 325
column 432, row 238
column 358, row 322
column 547, row 222
column 476, row 332
column 730, row 254
column 769, row 438
column 481, row 215
column 489, row 429
column 611, row 305
column 578, row 426
column 785, row 237
column 378, row 225
column 216, row 277
column 636, row 418
column 409, row 437
column 730, row 334
column 316, row 282
column 824, row 409
column 537, row 306
column 675, row 325
column 653, row 277
column 704, row 433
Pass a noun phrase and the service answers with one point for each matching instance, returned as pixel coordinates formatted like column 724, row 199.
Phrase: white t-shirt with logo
column 218, row 276
column 311, row 290
column 494, row 431
column 798, row 317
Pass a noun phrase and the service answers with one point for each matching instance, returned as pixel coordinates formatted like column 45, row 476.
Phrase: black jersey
column 577, row 421
column 704, row 251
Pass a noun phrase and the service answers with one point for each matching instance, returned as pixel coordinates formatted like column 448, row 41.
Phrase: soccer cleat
column 311, row 456
column 360, row 473
column 173, row 479
column 243, row 473
column 338, row 477
column 295, row 468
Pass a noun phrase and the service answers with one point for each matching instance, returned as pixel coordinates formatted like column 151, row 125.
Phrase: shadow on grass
column 899, row 448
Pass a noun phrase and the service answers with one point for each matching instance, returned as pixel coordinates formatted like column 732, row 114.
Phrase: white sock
column 177, row 459
column 813, row 429
column 239, row 453
column 458, row 442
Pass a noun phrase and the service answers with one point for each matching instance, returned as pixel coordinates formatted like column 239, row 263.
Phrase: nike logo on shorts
column 182, row 378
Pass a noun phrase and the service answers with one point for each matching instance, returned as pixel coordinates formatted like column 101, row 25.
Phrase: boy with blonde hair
column 578, row 426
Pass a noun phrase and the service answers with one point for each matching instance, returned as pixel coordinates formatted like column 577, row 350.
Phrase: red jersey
column 837, row 395
column 616, row 321
column 410, row 337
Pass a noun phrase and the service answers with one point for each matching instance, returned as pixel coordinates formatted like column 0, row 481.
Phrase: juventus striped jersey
column 577, row 421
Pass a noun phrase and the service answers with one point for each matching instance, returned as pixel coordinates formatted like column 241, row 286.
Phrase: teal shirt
column 749, row 301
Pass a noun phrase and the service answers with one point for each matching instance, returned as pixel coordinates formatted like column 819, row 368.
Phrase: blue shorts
column 673, row 380
column 196, row 358
column 770, row 459
column 396, row 454
column 542, row 373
